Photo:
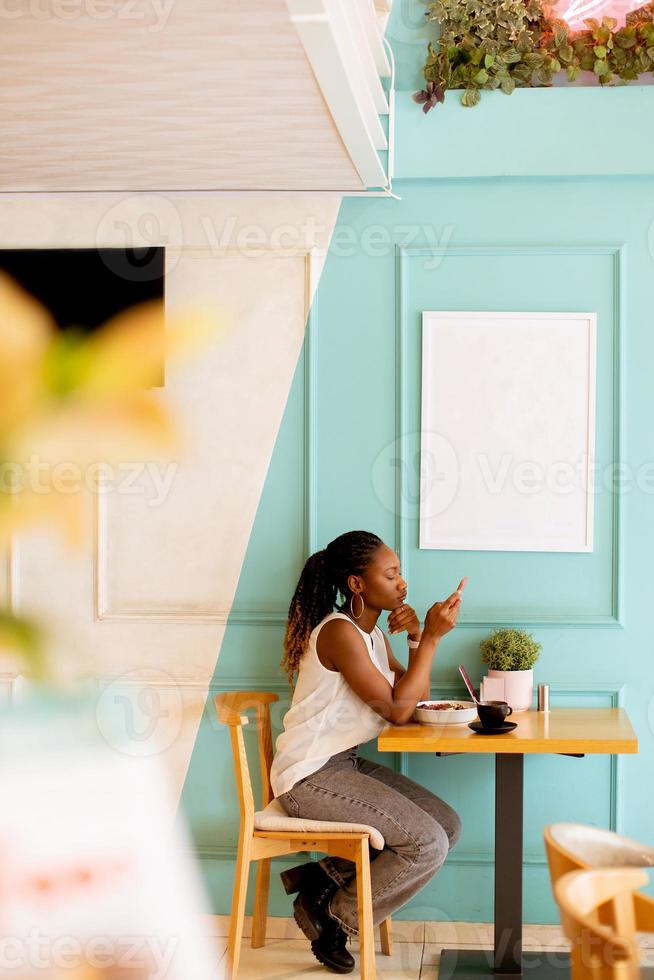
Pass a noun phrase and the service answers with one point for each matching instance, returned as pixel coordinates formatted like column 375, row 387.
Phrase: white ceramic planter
column 518, row 687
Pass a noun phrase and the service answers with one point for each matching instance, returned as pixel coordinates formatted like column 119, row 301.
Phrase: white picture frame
column 507, row 431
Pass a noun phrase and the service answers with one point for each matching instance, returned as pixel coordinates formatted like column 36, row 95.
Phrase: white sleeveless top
column 325, row 716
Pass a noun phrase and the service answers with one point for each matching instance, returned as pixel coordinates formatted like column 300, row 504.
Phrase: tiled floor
column 417, row 947
column 416, row 951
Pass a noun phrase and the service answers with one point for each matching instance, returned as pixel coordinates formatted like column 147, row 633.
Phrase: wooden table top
column 587, row 730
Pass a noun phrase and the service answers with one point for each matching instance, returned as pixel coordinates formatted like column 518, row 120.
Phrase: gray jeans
column 418, row 828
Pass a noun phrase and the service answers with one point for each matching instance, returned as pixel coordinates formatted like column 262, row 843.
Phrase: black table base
column 507, row 958
column 509, row 788
column 472, row 964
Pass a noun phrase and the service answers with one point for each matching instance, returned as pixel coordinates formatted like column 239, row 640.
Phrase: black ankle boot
column 315, row 891
column 293, row 878
column 330, row 949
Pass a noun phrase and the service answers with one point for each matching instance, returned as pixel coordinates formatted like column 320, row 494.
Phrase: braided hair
column 323, row 577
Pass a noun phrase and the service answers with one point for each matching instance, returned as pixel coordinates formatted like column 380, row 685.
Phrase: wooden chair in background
column 576, row 847
column 261, row 845
column 607, row 950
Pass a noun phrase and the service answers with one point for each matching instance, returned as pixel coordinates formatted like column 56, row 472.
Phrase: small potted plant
column 510, row 655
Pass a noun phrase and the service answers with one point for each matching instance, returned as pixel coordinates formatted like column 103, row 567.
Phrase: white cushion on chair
column 275, row 817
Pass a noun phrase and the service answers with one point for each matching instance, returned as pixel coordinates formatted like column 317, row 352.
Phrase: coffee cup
column 492, row 713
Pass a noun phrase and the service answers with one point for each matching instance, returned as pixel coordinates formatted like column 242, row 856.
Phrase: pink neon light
column 575, row 11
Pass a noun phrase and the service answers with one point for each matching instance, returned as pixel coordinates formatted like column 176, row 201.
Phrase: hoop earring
column 363, row 605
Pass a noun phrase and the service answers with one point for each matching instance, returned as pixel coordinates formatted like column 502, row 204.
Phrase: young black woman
column 349, row 686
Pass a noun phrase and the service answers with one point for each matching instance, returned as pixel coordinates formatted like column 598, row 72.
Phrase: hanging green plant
column 513, row 44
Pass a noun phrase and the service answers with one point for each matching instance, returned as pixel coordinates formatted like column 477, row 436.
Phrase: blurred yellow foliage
column 78, row 399
column 69, row 399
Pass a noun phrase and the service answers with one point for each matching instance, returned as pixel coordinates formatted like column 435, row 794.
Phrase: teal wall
column 516, row 243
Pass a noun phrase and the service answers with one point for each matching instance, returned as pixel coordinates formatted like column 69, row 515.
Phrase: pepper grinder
column 543, row 697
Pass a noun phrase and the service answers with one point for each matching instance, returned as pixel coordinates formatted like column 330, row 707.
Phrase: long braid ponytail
column 323, row 578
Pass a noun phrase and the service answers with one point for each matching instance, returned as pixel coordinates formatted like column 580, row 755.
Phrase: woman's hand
column 404, row 618
column 442, row 616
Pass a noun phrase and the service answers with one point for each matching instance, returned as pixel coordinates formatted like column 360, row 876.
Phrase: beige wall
column 147, row 599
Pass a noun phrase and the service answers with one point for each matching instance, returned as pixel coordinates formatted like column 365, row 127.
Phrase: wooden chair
column 262, row 845
column 575, row 847
column 608, row 950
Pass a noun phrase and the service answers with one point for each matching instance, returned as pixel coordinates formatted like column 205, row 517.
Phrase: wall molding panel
column 572, row 696
column 563, row 695
column 614, row 616
column 613, row 619
column 221, row 612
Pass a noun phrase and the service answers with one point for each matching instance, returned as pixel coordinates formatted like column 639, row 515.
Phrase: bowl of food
column 445, row 712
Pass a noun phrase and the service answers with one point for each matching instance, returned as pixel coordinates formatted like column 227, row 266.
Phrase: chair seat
column 275, row 818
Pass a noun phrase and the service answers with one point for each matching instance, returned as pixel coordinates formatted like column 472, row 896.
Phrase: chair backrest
column 230, row 710
column 596, row 847
column 576, row 847
column 607, row 950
